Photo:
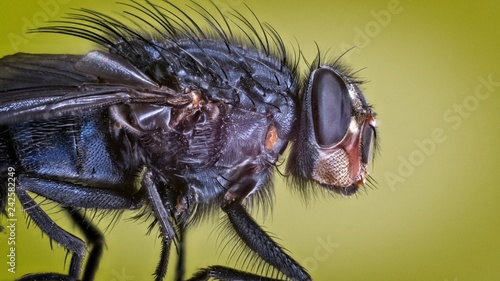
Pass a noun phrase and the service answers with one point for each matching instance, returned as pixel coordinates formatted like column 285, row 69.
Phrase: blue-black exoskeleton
column 177, row 122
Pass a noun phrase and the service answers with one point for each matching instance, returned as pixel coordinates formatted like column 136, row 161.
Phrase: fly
column 177, row 124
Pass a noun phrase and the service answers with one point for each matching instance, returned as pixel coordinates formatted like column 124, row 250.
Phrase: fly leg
column 94, row 237
column 48, row 226
column 71, row 196
column 181, row 243
column 227, row 274
column 260, row 243
column 163, row 213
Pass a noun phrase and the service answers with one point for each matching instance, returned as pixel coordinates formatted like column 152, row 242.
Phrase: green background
column 434, row 213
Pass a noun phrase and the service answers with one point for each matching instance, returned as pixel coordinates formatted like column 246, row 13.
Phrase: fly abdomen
column 73, row 148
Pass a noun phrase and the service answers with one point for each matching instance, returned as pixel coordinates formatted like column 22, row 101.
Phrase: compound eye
column 331, row 106
column 367, row 142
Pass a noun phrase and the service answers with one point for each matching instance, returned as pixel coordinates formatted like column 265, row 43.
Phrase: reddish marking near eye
column 271, row 137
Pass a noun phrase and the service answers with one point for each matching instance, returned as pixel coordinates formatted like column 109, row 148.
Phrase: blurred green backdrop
column 433, row 76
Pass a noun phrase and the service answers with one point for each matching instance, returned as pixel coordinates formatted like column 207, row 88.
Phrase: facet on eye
column 331, row 106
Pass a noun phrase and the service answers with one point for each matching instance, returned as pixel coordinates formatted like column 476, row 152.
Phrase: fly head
column 336, row 133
